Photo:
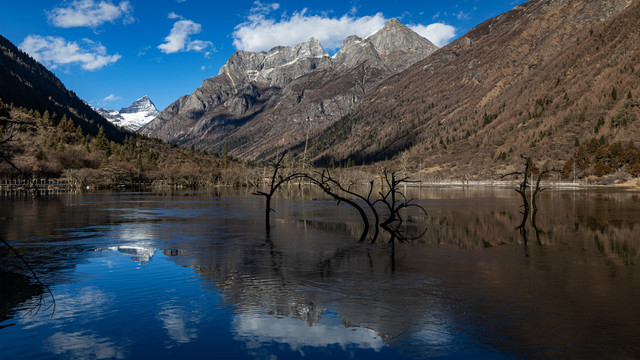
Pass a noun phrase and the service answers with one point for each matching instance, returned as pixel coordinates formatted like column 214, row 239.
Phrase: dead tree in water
column 328, row 184
column 277, row 180
column 522, row 188
column 525, row 182
column 537, row 190
column 391, row 199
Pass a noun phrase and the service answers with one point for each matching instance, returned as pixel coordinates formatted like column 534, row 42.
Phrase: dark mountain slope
column 26, row 83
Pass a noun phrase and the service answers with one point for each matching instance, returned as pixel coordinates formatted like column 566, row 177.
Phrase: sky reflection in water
column 148, row 276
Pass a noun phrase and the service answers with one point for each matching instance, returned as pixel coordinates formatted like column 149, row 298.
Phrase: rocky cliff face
column 262, row 103
column 138, row 114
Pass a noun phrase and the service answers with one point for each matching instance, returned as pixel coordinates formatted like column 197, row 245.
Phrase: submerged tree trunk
column 276, row 181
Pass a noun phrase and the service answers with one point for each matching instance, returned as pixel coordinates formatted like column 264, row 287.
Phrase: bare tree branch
column 41, row 301
column 391, row 201
column 326, row 182
column 276, row 181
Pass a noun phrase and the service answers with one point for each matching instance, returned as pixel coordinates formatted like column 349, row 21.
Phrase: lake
column 196, row 275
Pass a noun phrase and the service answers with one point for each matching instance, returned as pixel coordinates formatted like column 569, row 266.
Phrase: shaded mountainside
column 262, row 103
column 26, row 83
column 536, row 80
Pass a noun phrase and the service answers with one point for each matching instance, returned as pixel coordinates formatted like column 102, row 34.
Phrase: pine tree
column 46, row 119
column 101, row 142
column 139, row 166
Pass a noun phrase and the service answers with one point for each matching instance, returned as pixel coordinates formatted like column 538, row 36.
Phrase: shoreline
column 62, row 185
column 556, row 185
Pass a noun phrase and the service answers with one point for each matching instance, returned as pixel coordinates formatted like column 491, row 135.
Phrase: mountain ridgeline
column 263, row 103
column 541, row 80
column 26, row 83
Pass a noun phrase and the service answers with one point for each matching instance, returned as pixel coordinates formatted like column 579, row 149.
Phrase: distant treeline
column 600, row 158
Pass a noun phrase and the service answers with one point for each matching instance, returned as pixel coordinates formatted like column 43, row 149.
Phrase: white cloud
column 438, row 33
column 90, row 13
column 54, row 51
column 173, row 15
column 111, row 97
column 179, row 39
column 261, row 32
column 463, row 16
column 197, row 45
column 259, row 9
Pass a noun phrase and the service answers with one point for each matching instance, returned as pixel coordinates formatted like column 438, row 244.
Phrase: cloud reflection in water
column 84, row 345
column 259, row 329
column 179, row 324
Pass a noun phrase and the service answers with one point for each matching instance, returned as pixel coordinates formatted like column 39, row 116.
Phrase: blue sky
column 112, row 52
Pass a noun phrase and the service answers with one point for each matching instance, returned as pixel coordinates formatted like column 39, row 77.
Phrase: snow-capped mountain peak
column 133, row 117
column 144, row 104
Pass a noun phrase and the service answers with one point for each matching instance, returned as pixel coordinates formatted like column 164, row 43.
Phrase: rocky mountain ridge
column 262, row 103
column 133, row 117
column 535, row 81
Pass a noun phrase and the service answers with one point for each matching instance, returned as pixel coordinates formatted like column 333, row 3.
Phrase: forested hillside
column 26, row 83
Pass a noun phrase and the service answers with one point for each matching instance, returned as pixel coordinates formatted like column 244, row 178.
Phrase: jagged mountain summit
column 262, row 103
column 138, row 114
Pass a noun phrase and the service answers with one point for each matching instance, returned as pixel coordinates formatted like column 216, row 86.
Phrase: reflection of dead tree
column 277, row 180
column 522, row 189
column 329, row 185
column 42, row 303
column 537, row 190
column 391, row 199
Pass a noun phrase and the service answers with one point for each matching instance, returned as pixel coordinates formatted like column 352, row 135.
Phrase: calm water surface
column 138, row 275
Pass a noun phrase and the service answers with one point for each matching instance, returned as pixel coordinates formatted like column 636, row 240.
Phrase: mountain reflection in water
column 470, row 287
